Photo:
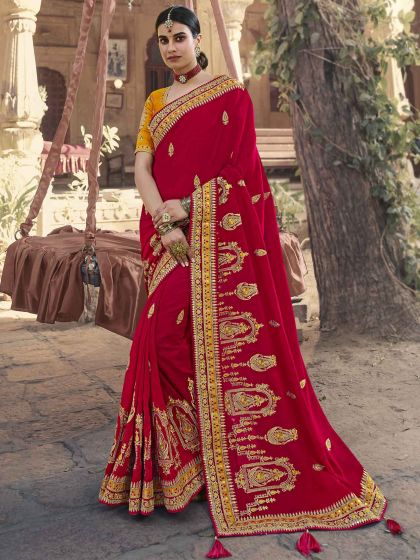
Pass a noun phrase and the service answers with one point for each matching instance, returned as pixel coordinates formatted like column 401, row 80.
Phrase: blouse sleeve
column 144, row 139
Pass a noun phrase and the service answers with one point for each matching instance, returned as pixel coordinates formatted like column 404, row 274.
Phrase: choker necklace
column 183, row 78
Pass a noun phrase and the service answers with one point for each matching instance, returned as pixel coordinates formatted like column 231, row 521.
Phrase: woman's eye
column 179, row 39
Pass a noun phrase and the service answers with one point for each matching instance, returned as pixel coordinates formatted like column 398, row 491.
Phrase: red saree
column 216, row 392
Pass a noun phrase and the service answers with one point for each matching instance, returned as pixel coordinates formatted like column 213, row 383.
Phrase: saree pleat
column 155, row 459
column 216, row 377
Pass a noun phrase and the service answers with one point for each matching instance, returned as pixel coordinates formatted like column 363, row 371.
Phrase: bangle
column 186, row 204
column 166, row 228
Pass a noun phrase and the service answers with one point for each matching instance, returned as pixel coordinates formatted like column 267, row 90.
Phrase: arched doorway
column 55, row 85
column 157, row 74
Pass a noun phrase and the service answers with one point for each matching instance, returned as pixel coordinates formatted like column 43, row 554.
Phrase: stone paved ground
column 59, row 388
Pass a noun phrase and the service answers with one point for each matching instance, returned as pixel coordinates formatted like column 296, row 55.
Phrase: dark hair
column 188, row 18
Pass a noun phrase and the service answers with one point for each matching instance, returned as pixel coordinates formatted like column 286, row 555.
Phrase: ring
column 178, row 249
column 166, row 217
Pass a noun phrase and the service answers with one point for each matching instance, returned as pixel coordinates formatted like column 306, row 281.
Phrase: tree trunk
column 357, row 289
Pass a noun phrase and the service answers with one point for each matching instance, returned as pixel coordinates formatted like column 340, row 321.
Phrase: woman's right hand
column 174, row 236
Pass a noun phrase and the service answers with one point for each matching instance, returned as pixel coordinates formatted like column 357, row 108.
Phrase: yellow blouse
column 153, row 104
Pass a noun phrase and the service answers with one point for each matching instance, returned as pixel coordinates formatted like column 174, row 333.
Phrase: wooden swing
column 43, row 274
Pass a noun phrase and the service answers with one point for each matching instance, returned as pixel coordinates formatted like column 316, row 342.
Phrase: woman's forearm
column 145, row 183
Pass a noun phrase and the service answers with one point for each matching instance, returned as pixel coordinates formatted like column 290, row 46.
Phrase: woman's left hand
column 173, row 208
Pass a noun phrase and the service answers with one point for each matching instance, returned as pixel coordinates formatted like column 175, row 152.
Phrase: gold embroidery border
column 163, row 268
column 142, row 497
column 348, row 512
column 164, row 119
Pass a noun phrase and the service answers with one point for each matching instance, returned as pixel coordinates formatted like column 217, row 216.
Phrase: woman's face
column 177, row 46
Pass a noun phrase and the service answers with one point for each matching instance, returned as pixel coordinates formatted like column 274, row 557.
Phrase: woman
column 216, row 394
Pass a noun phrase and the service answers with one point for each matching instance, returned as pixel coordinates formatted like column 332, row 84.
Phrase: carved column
column 21, row 107
column 234, row 14
column 394, row 78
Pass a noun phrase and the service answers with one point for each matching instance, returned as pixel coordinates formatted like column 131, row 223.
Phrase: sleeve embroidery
column 144, row 139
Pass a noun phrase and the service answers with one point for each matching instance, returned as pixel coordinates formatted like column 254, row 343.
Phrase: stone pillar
column 234, row 14
column 21, row 107
column 394, row 78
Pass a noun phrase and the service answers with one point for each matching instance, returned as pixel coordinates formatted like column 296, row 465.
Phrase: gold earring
column 197, row 51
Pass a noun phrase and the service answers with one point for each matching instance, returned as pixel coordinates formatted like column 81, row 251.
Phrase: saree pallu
column 216, row 393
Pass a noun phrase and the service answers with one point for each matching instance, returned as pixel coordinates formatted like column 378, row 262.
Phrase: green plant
column 362, row 56
column 290, row 204
column 110, row 142
column 15, row 198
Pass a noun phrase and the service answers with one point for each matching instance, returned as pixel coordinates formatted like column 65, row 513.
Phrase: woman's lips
column 173, row 57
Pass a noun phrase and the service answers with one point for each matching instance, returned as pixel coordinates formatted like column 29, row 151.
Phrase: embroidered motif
column 348, row 512
column 171, row 150
column 291, row 395
column 318, row 467
column 260, row 252
column 281, row 436
column 266, row 195
column 224, row 188
column 151, row 311
column 260, row 400
column 138, row 434
column 273, row 323
column 255, row 198
column 225, row 118
column 167, row 452
column 328, row 444
column 239, row 328
column 155, row 244
column 302, row 383
column 163, row 268
column 259, row 362
column 231, row 221
column 231, row 258
column 180, row 317
column 241, row 183
column 246, row 291
column 279, row 473
column 197, row 183
column 191, row 390
column 184, row 422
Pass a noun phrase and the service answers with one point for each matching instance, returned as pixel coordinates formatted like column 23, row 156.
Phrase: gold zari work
column 280, row 436
column 165, row 119
column 224, row 188
column 278, row 474
column 261, row 401
column 180, row 317
column 220, row 325
column 231, row 221
column 258, row 362
column 246, row 291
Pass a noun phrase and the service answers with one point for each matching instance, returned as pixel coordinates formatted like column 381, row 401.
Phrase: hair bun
column 202, row 60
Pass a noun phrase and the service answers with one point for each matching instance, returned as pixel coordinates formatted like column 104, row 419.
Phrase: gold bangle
column 166, row 228
column 186, row 204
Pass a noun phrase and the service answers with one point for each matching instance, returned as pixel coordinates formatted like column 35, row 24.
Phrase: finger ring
column 178, row 249
column 166, row 217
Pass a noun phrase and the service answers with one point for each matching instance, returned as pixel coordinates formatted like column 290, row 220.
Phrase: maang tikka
column 169, row 23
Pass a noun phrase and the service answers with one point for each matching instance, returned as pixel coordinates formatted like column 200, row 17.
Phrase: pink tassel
column 218, row 550
column 307, row 543
column 394, row 527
